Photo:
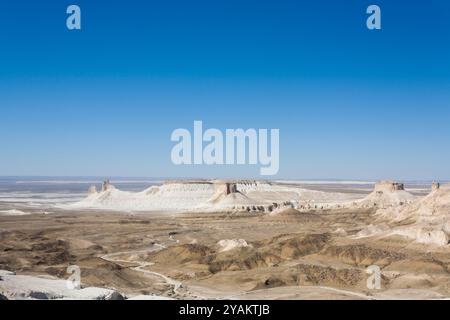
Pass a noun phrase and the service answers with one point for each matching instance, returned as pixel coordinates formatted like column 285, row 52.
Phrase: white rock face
column 426, row 220
column 205, row 195
column 13, row 212
column 170, row 196
column 149, row 297
column 92, row 190
column 386, row 194
column 28, row 287
column 373, row 230
column 227, row 244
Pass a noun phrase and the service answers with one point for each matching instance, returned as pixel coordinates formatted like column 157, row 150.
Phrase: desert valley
column 231, row 239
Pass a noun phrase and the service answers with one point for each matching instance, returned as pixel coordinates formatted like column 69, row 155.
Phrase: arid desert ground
column 232, row 240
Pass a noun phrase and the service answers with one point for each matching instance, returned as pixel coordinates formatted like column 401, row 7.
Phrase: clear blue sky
column 103, row 101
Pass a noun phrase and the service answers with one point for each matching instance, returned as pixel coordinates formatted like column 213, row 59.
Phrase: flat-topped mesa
column 386, row 194
column 435, row 185
column 388, row 186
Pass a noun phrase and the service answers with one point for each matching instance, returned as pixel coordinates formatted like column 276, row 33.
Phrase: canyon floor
column 293, row 255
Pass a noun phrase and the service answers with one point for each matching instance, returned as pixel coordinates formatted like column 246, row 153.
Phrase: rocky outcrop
column 14, row 286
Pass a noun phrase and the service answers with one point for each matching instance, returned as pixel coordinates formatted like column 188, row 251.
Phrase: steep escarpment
column 426, row 220
column 205, row 195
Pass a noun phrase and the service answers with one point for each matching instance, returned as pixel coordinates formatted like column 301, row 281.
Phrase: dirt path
column 201, row 293
column 177, row 285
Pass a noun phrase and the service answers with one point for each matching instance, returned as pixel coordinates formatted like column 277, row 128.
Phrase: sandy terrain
column 287, row 253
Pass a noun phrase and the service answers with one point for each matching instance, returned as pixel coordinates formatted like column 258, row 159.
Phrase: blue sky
column 350, row 103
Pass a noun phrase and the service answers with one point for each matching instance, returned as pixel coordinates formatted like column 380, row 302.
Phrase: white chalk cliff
column 425, row 220
column 24, row 287
column 205, row 195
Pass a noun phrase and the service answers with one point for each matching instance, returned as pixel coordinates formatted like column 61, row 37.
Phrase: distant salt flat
column 325, row 182
column 85, row 181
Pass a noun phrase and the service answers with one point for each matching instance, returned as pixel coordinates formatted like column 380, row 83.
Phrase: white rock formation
column 372, row 229
column 149, row 297
column 169, row 196
column 426, row 220
column 106, row 185
column 22, row 287
column 386, row 194
column 230, row 244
